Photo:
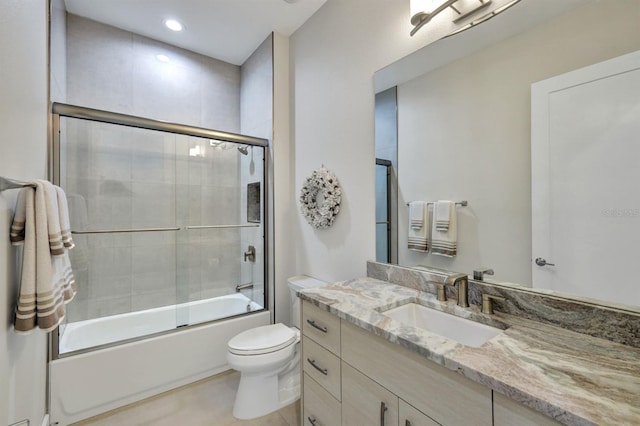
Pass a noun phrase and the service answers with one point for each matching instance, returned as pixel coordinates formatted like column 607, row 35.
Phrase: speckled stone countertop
column 575, row 378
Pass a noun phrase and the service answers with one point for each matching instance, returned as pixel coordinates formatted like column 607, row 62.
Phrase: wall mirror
column 464, row 132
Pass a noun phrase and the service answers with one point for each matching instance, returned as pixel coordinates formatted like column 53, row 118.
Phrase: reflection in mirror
column 386, row 176
column 464, row 126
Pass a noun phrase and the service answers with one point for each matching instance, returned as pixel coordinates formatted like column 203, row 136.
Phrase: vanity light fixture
column 173, row 25
column 423, row 11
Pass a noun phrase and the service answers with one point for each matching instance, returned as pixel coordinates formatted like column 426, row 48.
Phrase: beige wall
column 464, row 133
column 23, row 153
column 334, row 55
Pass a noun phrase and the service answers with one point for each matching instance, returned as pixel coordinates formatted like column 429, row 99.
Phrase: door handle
column 313, row 324
column 383, row 409
column 314, row 365
column 542, row 262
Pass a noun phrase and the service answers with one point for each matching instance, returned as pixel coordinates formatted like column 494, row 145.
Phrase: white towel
column 63, row 213
column 47, row 280
column 445, row 243
column 418, row 239
column 416, row 214
column 442, row 214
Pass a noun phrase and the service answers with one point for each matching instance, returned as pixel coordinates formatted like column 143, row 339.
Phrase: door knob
column 542, row 262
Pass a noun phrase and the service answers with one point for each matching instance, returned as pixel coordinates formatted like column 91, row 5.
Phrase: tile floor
column 204, row 403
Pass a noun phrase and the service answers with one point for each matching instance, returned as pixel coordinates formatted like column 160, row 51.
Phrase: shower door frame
column 59, row 110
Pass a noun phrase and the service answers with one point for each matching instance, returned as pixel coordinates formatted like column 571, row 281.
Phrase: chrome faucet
column 461, row 279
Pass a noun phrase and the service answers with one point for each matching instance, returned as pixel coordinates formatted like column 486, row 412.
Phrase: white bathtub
column 115, row 328
column 87, row 384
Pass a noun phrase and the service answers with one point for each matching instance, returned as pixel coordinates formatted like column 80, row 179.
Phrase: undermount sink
column 461, row 330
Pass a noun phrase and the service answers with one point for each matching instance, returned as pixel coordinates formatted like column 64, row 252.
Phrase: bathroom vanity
column 364, row 367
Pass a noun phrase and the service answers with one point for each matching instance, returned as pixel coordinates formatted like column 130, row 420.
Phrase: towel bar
column 6, row 183
column 114, row 231
column 462, row 203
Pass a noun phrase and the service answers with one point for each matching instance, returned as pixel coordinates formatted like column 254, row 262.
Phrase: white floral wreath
column 321, row 182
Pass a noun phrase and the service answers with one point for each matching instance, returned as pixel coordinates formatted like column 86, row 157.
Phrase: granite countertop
column 575, row 378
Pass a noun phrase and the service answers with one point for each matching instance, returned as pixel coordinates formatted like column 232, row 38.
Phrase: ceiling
column 229, row 30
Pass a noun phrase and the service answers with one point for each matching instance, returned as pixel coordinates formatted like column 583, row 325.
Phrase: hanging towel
column 63, row 213
column 416, row 214
column 418, row 239
column 442, row 214
column 47, row 281
column 445, row 243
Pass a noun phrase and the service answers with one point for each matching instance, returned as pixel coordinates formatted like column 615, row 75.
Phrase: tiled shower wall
column 151, row 181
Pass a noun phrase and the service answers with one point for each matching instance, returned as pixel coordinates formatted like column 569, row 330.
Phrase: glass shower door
column 169, row 230
column 221, row 214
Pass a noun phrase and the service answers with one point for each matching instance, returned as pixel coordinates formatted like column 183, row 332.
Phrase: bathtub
column 101, row 331
column 87, row 384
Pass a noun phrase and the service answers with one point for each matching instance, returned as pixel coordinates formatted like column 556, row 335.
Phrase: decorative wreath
column 320, row 198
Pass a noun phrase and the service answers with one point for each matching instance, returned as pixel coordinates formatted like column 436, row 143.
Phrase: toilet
column 268, row 359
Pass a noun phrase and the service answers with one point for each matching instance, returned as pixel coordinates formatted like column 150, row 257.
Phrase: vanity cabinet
column 321, row 366
column 365, row 402
column 507, row 412
column 443, row 395
column 362, row 379
column 410, row 416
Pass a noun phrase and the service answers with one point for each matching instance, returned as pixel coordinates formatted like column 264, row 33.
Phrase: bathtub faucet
column 241, row 287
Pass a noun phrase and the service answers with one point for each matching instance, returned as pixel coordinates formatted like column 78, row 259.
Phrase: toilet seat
column 263, row 340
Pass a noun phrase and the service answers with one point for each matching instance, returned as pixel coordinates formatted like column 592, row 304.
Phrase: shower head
column 244, row 150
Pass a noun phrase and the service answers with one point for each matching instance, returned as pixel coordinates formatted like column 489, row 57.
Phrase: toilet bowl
column 268, row 359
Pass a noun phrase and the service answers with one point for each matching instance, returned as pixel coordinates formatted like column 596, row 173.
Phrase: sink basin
column 461, row 330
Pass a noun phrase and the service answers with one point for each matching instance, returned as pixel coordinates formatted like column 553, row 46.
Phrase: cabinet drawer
column 507, row 412
column 322, row 366
column 445, row 396
column 320, row 408
column 365, row 402
column 411, row 416
column 321, row 326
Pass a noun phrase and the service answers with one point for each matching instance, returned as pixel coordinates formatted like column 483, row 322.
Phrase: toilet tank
column 300, row 282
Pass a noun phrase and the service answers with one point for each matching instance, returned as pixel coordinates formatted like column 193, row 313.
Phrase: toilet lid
column 260, row 340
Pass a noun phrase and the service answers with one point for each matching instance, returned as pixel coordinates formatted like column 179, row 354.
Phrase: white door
column 585, row 161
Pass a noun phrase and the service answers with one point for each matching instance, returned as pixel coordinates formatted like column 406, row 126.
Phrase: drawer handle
column 313, row 324
column 383, row 409
column 314, row 365
column 312, row 420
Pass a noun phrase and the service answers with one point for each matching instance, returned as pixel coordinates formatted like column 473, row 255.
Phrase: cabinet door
column 410, row 416
column 364, row 402
column 442, row 394
column 507, row 412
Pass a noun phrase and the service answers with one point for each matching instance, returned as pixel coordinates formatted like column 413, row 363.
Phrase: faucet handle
column 487, row 305
column 478, row 274
column 442, row 296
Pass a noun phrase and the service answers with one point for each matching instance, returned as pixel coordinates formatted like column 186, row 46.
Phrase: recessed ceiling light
column 162, row 58
column 173, row 25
